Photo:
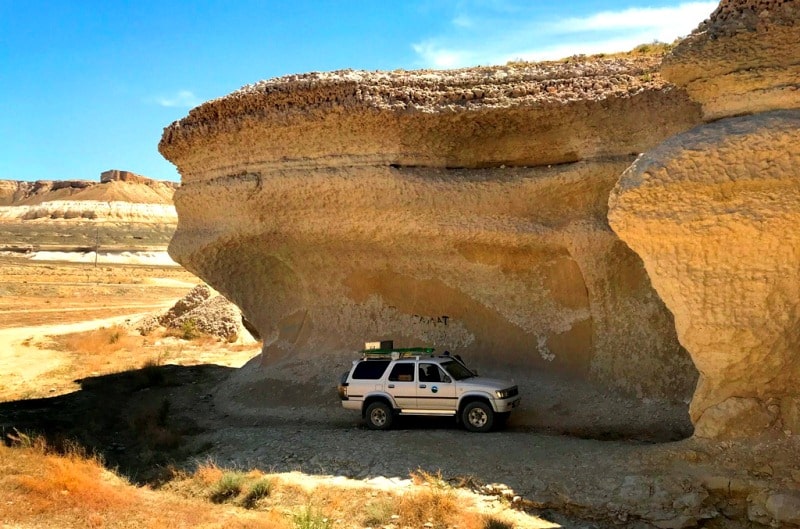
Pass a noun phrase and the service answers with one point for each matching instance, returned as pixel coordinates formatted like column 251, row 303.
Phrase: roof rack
column 398, row 353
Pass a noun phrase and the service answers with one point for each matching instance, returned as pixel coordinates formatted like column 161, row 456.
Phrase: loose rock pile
column 200, row 311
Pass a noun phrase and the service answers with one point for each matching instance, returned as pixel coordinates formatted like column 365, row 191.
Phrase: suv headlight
column 505, row 393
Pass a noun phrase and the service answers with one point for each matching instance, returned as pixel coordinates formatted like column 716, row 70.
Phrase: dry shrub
column 151, row 425
column 378, row 512
column 95, row 349
column 434, row 502
column 44, row 489
column 151, row 374
column 495, row 523
column 207, row 473
column 73, row 480
column 428, row 505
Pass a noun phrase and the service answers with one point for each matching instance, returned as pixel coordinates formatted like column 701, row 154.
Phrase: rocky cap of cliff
column 520, row 114
column 117, row 175
column 744, row 59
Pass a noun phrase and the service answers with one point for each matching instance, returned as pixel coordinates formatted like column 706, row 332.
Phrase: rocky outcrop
column 200, row 311
column 119, row 196
column 115, row 175
column 464, row 210
column 713, row 213
column 744, row 59
column 114, row 186
column 14, row 192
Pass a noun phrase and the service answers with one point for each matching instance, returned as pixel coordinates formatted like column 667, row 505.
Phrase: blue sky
column 88, row 85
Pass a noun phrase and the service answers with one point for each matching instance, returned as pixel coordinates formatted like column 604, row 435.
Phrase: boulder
column 714, row 213
column 464, row 210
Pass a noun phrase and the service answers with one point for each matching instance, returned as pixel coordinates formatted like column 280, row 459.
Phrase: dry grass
column 98, row 349
column 117, row 349
column 43, row 489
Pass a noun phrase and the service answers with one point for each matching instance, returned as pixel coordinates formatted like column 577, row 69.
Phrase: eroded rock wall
column 743, row 59
column 714, row 212
column 465, row 210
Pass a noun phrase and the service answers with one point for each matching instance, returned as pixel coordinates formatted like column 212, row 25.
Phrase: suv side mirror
column 446, row 380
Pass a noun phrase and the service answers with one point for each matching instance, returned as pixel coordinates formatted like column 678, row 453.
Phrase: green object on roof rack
column 418, row 350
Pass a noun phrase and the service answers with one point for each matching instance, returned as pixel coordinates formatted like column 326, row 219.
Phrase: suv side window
column 430, row 373
column 402, row 372
column 370, row 369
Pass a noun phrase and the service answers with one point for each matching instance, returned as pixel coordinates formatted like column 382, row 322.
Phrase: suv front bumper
column 505, row 406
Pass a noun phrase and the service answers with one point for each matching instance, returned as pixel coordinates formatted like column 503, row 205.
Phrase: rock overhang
column 349, row 205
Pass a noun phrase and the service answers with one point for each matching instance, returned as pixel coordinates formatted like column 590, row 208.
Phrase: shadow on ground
column 144, row 421
column 136, row 420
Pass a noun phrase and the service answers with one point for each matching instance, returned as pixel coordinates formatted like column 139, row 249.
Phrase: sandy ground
column 27, row 361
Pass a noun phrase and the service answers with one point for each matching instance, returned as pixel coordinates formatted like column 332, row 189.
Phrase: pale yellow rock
column 352, row 206
column 744, row 59
column 714, row 214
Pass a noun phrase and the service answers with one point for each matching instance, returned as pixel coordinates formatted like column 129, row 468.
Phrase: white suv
column 389, row 382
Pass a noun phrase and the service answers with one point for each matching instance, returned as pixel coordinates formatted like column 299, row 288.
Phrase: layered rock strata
column 714, row 212
column 464, row 210
column 743, row 59
column 119, row 196
column 114, row 185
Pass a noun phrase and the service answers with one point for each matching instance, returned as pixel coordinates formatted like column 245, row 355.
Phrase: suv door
column 402, row 386
column 436, row 390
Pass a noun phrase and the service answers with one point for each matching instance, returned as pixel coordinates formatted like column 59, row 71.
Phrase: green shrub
column 310, row 518
column 259, row 489
column 229, row 486
column 189, row 330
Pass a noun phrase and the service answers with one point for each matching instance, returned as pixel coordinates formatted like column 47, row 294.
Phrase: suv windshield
column 457, row 370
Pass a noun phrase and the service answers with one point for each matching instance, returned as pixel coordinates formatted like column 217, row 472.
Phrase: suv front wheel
column 477, row 416
column 379, row 416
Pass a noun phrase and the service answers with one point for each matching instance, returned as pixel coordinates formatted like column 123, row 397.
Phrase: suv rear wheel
column 379, row 416
column 477, row 416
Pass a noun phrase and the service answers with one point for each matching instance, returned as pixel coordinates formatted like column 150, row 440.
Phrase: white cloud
column 435, row 56
column 182, row 98
column 510, row 34
column 666, row 22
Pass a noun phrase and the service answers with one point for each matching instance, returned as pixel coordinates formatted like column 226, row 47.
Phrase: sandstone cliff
column 465, row 210
column 743, row 59
column 713, row 213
